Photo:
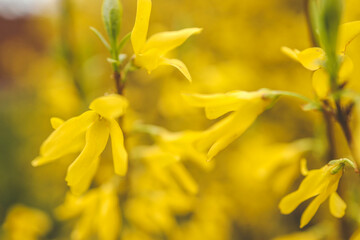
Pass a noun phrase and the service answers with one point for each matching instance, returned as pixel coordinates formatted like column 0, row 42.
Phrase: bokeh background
column 51, row 64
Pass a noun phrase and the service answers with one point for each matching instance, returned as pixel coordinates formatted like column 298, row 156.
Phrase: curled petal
column 348, row 31
column 165, row 41
column 65, row 138
column 120, row 156
column 337, row 205
column 110, row 106
column 139, row 32
column 312, row 58
column 82, row 170
column 179, row 65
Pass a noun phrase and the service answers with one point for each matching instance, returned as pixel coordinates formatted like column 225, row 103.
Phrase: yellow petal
column 303, row 167
column 120, row 156
column 109, row 215
column 337, row 205
column 82, row 170
column 217, row 105
column 312, row 58
column 346, row 69
column 179, row 65
column 348, row 31
column 321, row 84
column 331, row 186
column 56, row 122
column 185, row 178
column 291, row 53
column 311, row 186
column 228, row 129
column 165, row 41
column 64, row 139
column 110, row 106
column 139, row 32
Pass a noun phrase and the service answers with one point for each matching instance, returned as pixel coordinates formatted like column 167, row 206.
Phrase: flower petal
column 337, row 205
column 291, row 53
column 56, row 122
column 346, row 69
column 120, row 156
column 217, row 105
column 166, row 41
column 331, row 187
column 311, row 186
column 82, row 170
column 348, row 31
column 110, row 106
column 139, row 32
column 179, row 65
column 64, row 139
column 311, row 58
column 184, row 178
column 320, row 82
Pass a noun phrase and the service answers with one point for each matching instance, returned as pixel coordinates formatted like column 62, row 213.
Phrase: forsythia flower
column 98, row 213
column 150, row 54
column 321, row 184
column 314, row 59
column 246, row 107
column 26, row 223
column 95, row 125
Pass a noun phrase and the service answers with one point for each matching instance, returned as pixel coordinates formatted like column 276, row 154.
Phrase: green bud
column 112, row 16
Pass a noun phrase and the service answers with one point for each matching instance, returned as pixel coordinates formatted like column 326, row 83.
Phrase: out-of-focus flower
column 321, row 183
column 26, row 223
column 97, row 124
column 149, row 54
column 246, row 107
column 314, row 59
column 98, row 213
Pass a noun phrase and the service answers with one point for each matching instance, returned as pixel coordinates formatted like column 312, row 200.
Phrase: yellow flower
column 98, row 213
column 26, row 223
column 246, row 107
column 95, row 126
column 149, row 54
column 314, row 59
column 321, row 184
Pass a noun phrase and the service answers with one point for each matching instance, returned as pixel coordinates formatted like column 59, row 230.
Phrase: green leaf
column 101, row 37
column 112, row 17
column 123, row 41
column 311, row 106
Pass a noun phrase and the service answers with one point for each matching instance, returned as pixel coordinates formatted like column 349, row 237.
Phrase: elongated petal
column 184, row 178
column 120, row 156
column 348, row 31
column 227, row 130
column 310, row 211
column 337, row 205
column 311, row 186
column 81, row 171
column 109, row 212
column 139, row 32
column 312, row 58
column 179, row 65
column 110, row 106
column 166, row 41
column 64, row 139
column 321, row 83
column 292, row 53
column 217, row 105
